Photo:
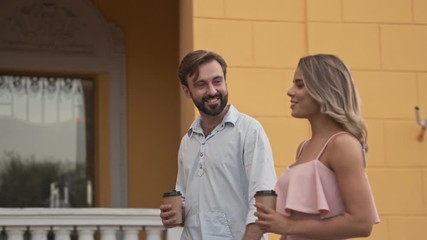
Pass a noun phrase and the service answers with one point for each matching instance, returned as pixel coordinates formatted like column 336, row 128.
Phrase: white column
column 154, row 233
column 15, row 233
column 131, row 233
column 62, row 232
column 109, row 232
column 39, row 232
column 86, row 232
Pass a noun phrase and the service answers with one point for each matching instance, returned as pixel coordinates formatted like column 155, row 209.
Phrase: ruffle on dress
column 309, row 188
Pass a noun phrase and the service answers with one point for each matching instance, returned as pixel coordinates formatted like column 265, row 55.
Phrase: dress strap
column 364, row 158
column 301, row 148
column 327, row 142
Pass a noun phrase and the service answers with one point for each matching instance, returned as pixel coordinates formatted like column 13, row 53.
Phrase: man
column 224, row 158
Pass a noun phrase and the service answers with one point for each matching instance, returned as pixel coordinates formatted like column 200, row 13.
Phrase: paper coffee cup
column 267, row 198
column 175, row 199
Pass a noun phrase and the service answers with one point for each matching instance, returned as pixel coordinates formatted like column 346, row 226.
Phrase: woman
column 325, row 194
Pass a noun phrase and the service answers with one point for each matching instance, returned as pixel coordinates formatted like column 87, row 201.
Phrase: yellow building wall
column 384, row 43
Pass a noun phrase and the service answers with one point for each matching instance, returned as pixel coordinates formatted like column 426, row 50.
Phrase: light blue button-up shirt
column 219, row 175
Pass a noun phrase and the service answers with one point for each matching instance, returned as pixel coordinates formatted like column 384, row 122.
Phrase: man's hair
column 329, row 82
column 189, row 66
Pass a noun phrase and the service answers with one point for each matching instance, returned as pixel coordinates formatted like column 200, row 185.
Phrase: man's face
column 209, row 90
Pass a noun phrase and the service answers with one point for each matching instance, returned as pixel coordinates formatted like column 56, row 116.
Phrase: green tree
column 26, row 182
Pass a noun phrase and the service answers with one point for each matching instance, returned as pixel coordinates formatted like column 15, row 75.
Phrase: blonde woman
column 325, row 193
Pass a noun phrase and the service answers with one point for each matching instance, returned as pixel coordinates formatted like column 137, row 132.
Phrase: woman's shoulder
column 344, row 149
column 345, row 140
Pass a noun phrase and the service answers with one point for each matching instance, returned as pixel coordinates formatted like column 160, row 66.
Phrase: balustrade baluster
column 131, row 233
column 154, row 233
column 109, row 232
column 86, row 232
column 15, row 233
column 174, row 233
column 62, row 232
column 39, row 232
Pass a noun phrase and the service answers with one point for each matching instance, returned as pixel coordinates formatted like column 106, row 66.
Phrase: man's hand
column 253, row 232
column 168, row 216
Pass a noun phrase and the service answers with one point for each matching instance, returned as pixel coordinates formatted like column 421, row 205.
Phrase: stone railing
column 110, row 224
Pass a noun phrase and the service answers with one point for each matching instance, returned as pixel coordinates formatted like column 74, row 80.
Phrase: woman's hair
column 329, row 82
column 189, row 65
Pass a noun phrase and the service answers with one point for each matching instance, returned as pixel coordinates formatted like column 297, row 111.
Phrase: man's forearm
column 253, row 232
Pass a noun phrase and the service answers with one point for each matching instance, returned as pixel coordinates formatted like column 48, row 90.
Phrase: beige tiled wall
column 377, row 11
column 356, row 43
column 420, row 9
column 384, row 43
column 380, row 90
column 402, row 47
column 246, row 89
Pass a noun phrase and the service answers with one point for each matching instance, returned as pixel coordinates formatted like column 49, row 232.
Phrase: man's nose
column 211, row 89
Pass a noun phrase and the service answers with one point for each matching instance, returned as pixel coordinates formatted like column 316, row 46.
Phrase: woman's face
column 303, row 104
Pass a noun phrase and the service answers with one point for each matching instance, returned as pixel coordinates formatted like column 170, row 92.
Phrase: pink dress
column 310, row 191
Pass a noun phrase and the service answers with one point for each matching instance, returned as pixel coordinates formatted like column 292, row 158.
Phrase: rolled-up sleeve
column 259, row 166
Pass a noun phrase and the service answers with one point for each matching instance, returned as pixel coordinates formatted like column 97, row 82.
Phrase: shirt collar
column 230, row 117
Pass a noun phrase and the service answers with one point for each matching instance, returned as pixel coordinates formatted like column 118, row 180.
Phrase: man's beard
column 216, row 110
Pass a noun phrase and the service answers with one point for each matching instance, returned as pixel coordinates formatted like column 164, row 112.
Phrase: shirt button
column 201, row 154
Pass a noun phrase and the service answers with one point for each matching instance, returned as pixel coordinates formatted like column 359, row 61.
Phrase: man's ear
column 186, row 91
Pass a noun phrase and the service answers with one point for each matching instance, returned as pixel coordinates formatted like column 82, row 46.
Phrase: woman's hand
column 269, row 220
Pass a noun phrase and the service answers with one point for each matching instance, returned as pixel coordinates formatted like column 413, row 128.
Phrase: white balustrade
column 85, row 222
